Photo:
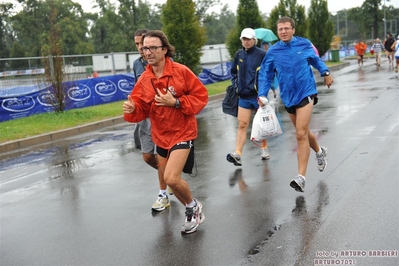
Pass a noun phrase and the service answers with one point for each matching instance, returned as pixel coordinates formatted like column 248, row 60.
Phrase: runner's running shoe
column 160, row 204
column 298, row 183
column 194, row 217
column 321, row 159
column 234, row 158
column 265, row 154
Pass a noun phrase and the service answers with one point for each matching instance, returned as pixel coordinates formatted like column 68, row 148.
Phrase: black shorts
column 305, row 101
column 189, row 164
column 181, row 145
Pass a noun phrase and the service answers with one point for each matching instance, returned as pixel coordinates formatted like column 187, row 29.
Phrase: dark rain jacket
column 244, row 71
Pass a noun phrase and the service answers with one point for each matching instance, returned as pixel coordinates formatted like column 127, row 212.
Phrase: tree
column 17, row 51
column 374, row 16
column 189, row 37
column 218, row 25
column 202, row 6
column 248, row 16
column 53, row 62
column 107, row 33
column 33, row 20
column 320, row 30
column 4, row 34
column 289, row 8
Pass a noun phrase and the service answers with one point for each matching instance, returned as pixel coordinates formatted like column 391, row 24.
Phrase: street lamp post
column 346, row 24
column 390, row 26
column 385, row 22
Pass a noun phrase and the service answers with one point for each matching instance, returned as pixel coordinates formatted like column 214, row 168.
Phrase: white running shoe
column 160, row 204
column 194, row 217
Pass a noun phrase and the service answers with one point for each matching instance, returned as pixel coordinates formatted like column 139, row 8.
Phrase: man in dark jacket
column 244, row 71
column 388, row 48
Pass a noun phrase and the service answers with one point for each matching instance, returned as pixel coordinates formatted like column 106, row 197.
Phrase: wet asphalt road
column 87, row 200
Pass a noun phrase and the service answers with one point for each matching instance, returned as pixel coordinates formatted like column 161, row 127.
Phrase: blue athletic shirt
column 291, row 63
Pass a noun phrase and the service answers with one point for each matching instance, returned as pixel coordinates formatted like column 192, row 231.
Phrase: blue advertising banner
column 219, row 73
column 24, row 101
column 80, row 93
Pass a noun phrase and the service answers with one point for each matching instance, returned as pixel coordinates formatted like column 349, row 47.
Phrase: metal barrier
column 27, row 71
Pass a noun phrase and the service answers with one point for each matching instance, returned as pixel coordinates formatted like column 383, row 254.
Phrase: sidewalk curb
column 62, row 134
column 58, row 135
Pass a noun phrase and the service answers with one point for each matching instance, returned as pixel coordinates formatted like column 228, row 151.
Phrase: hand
column 262, row 101
column 128, row 106
column 164, row 99
column 328, row 80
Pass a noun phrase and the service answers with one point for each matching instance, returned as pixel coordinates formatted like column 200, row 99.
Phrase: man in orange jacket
column 360, row 48
column 171, row 95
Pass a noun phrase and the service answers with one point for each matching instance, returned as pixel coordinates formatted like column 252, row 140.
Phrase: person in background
column 378, row 48
column 290, row 59
column 265, row 46
column 388, row 48
column 171, row 95
column 138, row 68
column 244, row 71
column 142, row 131
column 360, row 49
column 395, row 49
column 274, row 86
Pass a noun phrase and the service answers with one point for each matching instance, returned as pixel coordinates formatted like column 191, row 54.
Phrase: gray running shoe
column 160, row 204
column 298, row 183
column 321, row 159
column 234, row 158
column 265, row 154
column 194, row 217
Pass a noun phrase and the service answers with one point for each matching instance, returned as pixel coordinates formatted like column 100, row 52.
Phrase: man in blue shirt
column 290, row 59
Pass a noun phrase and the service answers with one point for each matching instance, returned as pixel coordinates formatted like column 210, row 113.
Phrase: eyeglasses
column 151, row 48
column 284, row 29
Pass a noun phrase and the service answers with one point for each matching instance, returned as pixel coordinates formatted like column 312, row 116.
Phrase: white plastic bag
column 265, row 124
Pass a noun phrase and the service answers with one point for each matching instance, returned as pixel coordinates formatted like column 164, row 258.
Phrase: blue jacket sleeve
column 317, row 63
column 266, row 75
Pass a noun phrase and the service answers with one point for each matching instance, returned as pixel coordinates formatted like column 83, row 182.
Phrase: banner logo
column 18, row 104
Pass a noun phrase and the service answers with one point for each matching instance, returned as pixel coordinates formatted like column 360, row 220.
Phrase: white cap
column 248, row 33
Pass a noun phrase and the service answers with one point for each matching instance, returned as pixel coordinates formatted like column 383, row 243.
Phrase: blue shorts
column 248, row 103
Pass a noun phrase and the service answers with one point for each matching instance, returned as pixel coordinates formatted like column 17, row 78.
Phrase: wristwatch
column 326, row 74
column 177, row 104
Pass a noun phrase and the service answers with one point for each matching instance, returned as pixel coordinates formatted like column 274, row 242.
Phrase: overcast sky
column 265, row 6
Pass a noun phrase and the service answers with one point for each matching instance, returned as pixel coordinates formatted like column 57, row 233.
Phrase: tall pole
column 346, row 24
column 385, row 22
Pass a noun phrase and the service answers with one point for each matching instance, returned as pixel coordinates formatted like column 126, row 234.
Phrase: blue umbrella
column 265, row 35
